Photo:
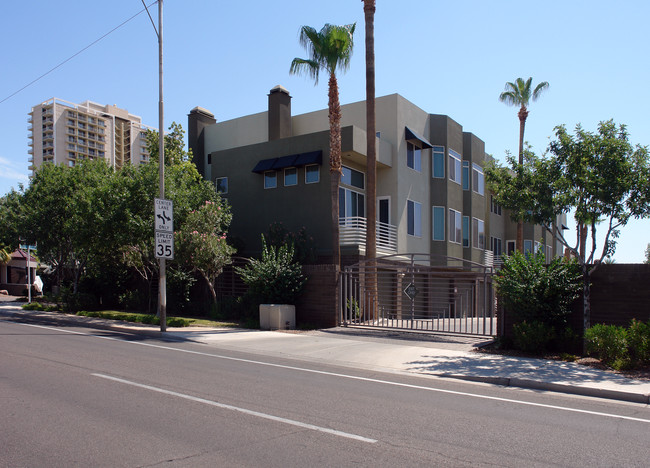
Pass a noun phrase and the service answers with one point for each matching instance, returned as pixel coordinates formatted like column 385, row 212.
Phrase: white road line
column 240, row 410
column 352, row 377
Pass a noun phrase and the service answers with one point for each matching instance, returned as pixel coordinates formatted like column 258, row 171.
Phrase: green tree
column 201, row 242
column 519, row 94
column 647, row 254
column 10, row 219
column 598, row 176
column 174, row 145
column 329, row 49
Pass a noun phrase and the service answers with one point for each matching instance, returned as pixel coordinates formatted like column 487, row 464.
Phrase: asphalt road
column 81, row 397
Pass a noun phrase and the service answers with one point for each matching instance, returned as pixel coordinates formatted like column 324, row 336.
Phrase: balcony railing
column 352, row 231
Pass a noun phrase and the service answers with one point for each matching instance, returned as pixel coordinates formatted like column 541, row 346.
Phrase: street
column 73, row 396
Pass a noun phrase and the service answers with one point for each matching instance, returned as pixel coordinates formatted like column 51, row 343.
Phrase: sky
column 450, row 57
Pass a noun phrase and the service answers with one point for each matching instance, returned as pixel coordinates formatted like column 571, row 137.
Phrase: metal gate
column 419, row 292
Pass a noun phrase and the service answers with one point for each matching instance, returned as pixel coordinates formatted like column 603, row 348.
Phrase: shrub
column 535, row 292
column 276, row 278
column 607, row 342
column 532, row 337
column 638, row 341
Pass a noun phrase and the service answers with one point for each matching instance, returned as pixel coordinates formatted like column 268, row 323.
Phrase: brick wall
column 317, row 305
column 619, row 293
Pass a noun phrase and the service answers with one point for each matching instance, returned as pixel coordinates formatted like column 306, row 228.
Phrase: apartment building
column 431, row 193
column 63, row 132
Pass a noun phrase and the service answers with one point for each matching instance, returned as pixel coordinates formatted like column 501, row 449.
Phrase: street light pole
column 162, row 285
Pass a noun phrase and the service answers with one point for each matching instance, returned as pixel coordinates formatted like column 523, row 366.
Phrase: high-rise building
column 62, row 132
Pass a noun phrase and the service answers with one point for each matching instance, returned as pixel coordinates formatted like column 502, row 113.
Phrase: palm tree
column 520, row 93
column 329, row 49
column 371, row 151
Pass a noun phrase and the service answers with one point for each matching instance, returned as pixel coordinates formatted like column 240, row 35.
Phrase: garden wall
column 317, row 305
column 619, row 293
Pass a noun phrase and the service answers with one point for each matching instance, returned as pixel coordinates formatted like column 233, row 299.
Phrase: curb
column 633, row 397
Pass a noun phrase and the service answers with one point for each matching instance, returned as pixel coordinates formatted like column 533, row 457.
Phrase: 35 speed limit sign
column 164, row 245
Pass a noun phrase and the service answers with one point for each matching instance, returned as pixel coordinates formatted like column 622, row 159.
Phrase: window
column 438, row 162
column 312, row 174
column 478, row 179
column 352, row 177
column 290, row 176
column 465, row 175
column 438, row 228
column 413, row 156
column 454, row 166
column 537, row 246
column 528, row 246
column 221, row 184
column 455, row 227
column 494, row 207
column 351, row 204
column 466, row 231
column 414, row 218
column 270, row 179
column 496, row 246
column 478, row 234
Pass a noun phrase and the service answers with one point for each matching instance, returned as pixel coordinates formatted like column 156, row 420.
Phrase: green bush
column 607, row 342
column 276, row 278
column 533, row 291
column 638, row 341
column 533, row 337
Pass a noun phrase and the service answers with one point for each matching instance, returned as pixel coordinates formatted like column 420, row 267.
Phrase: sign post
column 163, row 219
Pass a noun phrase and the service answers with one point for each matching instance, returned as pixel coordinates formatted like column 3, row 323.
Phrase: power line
column 73, row 56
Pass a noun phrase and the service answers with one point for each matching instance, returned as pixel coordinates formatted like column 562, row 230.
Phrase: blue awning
column 293, row 160
column 411, row 135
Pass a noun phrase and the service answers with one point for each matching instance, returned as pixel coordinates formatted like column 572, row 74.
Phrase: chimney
column 197, row 120
column 279, row 113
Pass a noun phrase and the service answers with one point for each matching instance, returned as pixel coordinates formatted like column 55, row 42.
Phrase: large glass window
column 465, row 175
column 496, row 246
column 454, row 166
column 478, row 234
column 312, row 173
column 478, row 180
column 438, row 162
column 455, row 227
column 352, row 177
column 414, row 218
column 438, row 228
column 270, row 179
column 413, row 156
column 465, row 231
column 290, row 176
column 494, row 206
column 351, row 204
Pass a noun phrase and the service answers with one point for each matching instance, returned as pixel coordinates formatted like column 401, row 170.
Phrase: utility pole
column 162, row 287
column 162, row 280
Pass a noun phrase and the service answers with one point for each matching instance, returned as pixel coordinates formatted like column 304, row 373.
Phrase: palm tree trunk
column 523, row 114
column 371, row 150
column 335, row 165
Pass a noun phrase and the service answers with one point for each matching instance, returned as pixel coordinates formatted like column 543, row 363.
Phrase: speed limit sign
column 164, row 245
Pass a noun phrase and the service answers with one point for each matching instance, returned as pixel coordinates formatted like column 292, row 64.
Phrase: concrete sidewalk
column 386, row 351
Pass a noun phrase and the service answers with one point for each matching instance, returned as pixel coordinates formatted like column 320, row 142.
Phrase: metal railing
column 352, row 231
column 419, row 292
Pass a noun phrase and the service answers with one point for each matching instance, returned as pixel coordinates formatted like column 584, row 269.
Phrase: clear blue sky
column 450, row 57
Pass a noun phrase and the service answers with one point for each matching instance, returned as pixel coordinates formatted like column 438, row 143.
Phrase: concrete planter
column 277, row 317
